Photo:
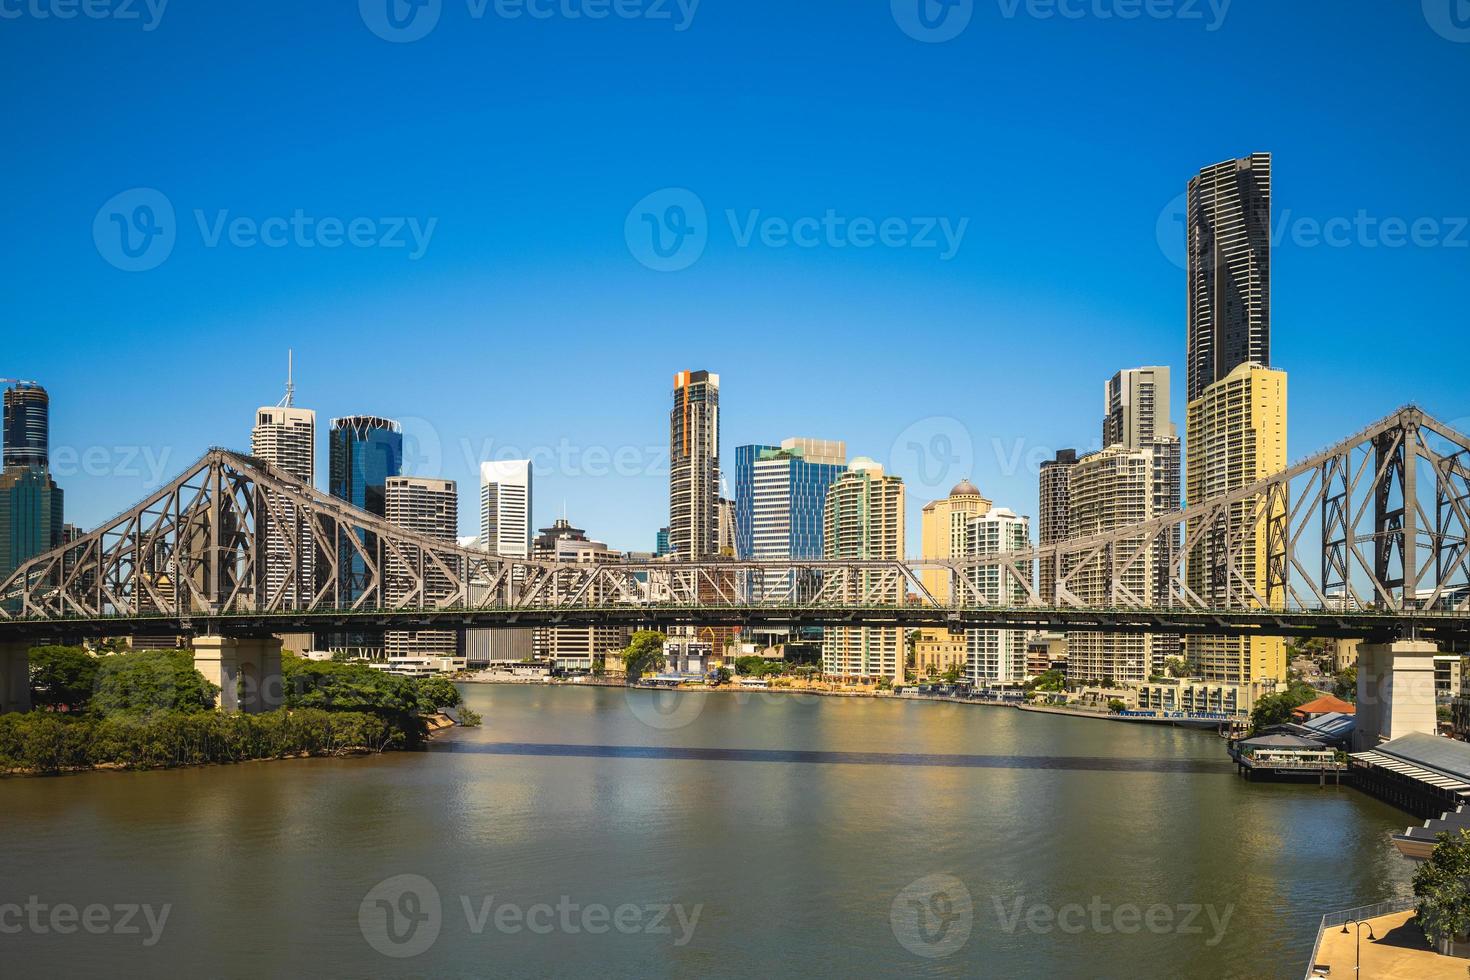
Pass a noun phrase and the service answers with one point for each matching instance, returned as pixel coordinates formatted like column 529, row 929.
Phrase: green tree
column 1051, row 680
column 952, row 675
column 144, row 682
column 752, row 665
column 1442, row 885
column 644, row 655
column 1345, row 684
column 1116, row 706
column 62, row 678
column 437, row 693
column 1176, row 667
column 722, row 676
column 1276, row 709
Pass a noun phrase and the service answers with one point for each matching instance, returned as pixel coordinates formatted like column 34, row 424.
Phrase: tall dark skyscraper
column 364, row 452
column 1229, row 254
column 31, row 504
column 27, row 425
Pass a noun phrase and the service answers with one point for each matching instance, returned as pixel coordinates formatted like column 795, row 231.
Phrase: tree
column 1276, row 709
column 754, row 666
column 1345, row 684
column 952, row 675
column 1442, row 885
column 1176, row 667
column 1115, row 706
column 644, row 655
column 62, row 678
column 722, row 676
column 1050, row 680
column 144, row 682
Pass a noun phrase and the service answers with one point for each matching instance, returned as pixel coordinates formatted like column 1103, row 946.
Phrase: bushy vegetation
column 1442, row 886
column 151, row 709
column 644, row 655
column 1276, row 709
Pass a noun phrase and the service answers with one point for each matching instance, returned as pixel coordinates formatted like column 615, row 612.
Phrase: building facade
column 944, row 528
column 429, row 507
column 864, row 519
column 1236, row 432
column 1136, row 407
column 506, row 498
column 694, row 457
column 998, row 657
column 1054, row 515
column 1228, row 216
column 32, row 511
column 578, row 647
column 363, row 452
column 27, row 425
column 285, row 437
column 781, row 496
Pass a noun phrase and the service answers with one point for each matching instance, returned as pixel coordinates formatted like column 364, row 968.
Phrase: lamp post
column 1358, row 966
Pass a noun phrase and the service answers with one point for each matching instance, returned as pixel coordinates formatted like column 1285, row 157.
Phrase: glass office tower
column 364, row 451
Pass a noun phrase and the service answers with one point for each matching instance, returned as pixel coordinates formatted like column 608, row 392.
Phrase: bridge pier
column 247, row 670
column 1395, row 691
column 15, row 677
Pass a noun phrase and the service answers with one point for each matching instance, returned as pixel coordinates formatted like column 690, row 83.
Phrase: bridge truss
column 1368, row 538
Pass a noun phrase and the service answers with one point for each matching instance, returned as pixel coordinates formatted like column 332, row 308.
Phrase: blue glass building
column 364, row 451
column 745, row 458
column 31, row 512
column 781, row 495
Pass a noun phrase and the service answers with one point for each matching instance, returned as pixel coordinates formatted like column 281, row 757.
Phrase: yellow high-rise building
column 1235, row 435
column 942, row 530
column 863, row 519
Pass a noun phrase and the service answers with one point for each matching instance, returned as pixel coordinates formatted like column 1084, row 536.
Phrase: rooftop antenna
column 290, row 387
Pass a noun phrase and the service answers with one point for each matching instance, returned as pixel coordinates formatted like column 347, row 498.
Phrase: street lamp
column 1371, row 938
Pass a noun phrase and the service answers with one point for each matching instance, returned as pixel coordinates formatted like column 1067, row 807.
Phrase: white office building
column 998, row 656
column 505, row 507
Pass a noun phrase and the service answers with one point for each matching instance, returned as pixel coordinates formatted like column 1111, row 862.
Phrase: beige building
column 944, row 526
column 864, row 518
column 578, row 647
column 1195, row 696
column 429, row 507
column 1236, row 435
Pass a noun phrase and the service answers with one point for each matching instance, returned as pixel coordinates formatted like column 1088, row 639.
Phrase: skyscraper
column 31, row 504
column 944, row 529
column 1136, row 406
column 1237, row 436
column 1228, row 208
column 27, row 425
column 285, row 437
column 365, row 451
column 997, row 656
column 694, row 456
column 864, row 519
column 1055, row 514
column 429, row 507
column 505, row 507
column 780, row 496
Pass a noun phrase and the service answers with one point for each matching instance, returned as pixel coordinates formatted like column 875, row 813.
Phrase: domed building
column 943, row 527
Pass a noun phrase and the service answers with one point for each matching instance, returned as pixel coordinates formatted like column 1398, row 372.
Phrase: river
column 603, row 832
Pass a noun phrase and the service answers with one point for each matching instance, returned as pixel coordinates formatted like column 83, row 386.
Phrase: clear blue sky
column 528, row 321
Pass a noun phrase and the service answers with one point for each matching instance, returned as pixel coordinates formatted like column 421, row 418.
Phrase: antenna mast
column 290, row 386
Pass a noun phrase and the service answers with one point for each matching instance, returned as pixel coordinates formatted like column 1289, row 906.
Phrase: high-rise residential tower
column 944, row 528
column 997, row 656
column 429, row 507
column 1237, row 436
column 864, row 519
column 694, row 457
column 1136, row 407
column 1228, row 214
column 1054, row 518
column 505, row 507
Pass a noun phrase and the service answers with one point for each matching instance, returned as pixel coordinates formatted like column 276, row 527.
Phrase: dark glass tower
column 364, row 451
column 1229, row 220
column 27, row 425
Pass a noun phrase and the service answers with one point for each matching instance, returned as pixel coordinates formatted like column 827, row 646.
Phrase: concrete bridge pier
column 15, row 677
column 1395, row 691
column 247, row 670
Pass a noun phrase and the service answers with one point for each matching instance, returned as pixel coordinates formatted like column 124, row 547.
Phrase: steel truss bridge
column 1365, row 539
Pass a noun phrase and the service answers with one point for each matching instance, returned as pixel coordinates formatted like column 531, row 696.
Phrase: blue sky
column 519, row 147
